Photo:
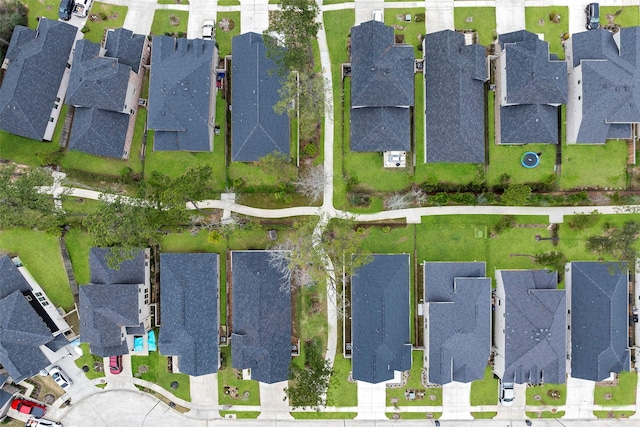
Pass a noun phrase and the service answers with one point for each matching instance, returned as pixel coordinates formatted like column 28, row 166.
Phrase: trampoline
column 530, row 159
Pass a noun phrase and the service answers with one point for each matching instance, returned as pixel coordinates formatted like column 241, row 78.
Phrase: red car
column 115, row 364
column 28, row 407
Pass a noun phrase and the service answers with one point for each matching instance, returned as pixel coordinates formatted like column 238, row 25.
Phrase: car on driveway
column 207, row 29
column 507, row 394
column 25, row 406
column 115, row 364
column 42, row 422
column 82, row 7
column 593, row 16
column 60, row 377
column 65, row 9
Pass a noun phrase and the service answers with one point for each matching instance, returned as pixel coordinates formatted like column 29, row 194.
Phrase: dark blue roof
column 37, row 61
column 599, row 319
column 180, row 94
column 189, row 303
column 454, row 79
column 458, row 321
column 256, row 129
column 609, row 84
column 99, row 132
column 535, row 327
column 527, row 123
column 380, row 318
column 380, row 129
column 126, row 46
column 261, row 324
column 11, row 279
column 131, row 271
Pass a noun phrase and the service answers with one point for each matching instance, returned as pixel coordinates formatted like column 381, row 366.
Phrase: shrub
column 504, row 223
column 386, row 229
column 103, row 16
column 440, row 199
column 419, row 17
column 53, row 158
column 582, row 221
column 310, row 150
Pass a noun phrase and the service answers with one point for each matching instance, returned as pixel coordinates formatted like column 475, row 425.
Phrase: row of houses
column 52, row 65
column 532, row 331
column 598, row 85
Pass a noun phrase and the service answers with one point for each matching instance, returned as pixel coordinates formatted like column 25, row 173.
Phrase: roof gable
column 180, row 93
column 599, row 316
column 261, row 324
column 11, row 279
column 126, row 46
column 257, row 129
column 189, row 303
column 380, row 318
column 99, row 132
column 37, row 61
column 526, row 123
column 375, row 129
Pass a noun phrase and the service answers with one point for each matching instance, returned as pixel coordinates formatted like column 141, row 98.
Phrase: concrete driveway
column 204, row 389
column 456, row 401
column 517, row 410
column 82, row 387
column 365, row 8
column 371, row 401
column 509, row 16
column 579, row 399
column 123, row 380
column 254, row 16
column 273, row 402
column 439, row 15
column 140, row 16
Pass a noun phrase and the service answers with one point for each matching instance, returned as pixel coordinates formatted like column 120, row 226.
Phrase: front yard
column 154, row 368
column 547, row 395
column 485, row 391
column 247, row 392
column 538, row 20
column 480, row 19
column 397, row 396
column 622, row 394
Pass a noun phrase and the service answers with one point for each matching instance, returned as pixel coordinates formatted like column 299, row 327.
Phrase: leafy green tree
column 308, row 385
column 583, row 221
column 554, row 259
column 12, row 13
column 22, row 205
column 516, row 195
column 277, row 164
column 617, row 242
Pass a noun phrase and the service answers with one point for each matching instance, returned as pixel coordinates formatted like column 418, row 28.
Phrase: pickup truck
column 82, row 7
column 42, row 422
column 25, row 406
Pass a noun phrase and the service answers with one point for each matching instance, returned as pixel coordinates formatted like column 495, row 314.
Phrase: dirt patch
column 226, row 24
column 174, row 20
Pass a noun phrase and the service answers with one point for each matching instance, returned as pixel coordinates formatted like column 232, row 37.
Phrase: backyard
column 578, row 161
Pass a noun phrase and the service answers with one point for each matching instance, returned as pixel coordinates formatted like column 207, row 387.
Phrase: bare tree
column 311, row 183
column 397, row 201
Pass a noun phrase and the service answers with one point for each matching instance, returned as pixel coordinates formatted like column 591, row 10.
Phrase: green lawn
column 578, row 165
column 537, row 21
column 227, row 377
column 255, row 177
column 23, row 150
column 45, row 8
column 115, row 19
column 480, row 19
column 627, row 16
column 415, row 382
column 223, row 38
column 162, row 22
column 40, row 253
column 88, row 359
column 173, row 1
column 485, row 391
column 242, row 415
column 78, row 245
column 411, row 30
column 613, row 414
column 341, row 392
column 622, row 394
column 545, row 393
column 157, row 373
column 331, row 1
column 323, row 415
column 483, row 415
column 415, row 415
column 229, row 3
column 505, row 159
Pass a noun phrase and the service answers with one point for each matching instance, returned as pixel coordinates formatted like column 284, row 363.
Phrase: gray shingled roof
column 381, row 71
column 96, row 81
column 599, row 316
column 22, row 332
column 5, row 397
column 190, row 320
column 256, row 129
column 380, row 318
column 11, row 279
column 37, row 61
column 261, row 324
column 459, row 328
column 180, row 94
column 454, row 79
column 126, row 46
column 610, row 82
column 526, row 123
column 99, row 132
column 131, row 271
column 380, row 129
column 535, row 327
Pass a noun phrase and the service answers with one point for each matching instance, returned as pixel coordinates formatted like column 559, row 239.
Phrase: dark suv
column 66, row 7
column 593, row 16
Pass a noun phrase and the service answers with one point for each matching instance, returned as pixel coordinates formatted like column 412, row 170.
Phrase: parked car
column 507, row 394
column 60, row 377
column 65, row 9
column 25, row 406
column 42, row 422
column 115, row 364
column 593, row 16
column 377, row 15
column 207, row 29
column 82, row 7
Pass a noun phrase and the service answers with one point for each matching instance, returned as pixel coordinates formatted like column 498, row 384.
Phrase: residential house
column 604, row 85
column 182, row 94
column 531, row 84
column 261, row 317
column 599, row 312
column 114, row 307
column 454, row 75
column 104, row 87
column 382, row 90
column 189, row 299
column 5, row 397
column 256, row 129
column 32, row 332
column 530, row 332
column 457, row 325
column 35, row 79
column 380, row 319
